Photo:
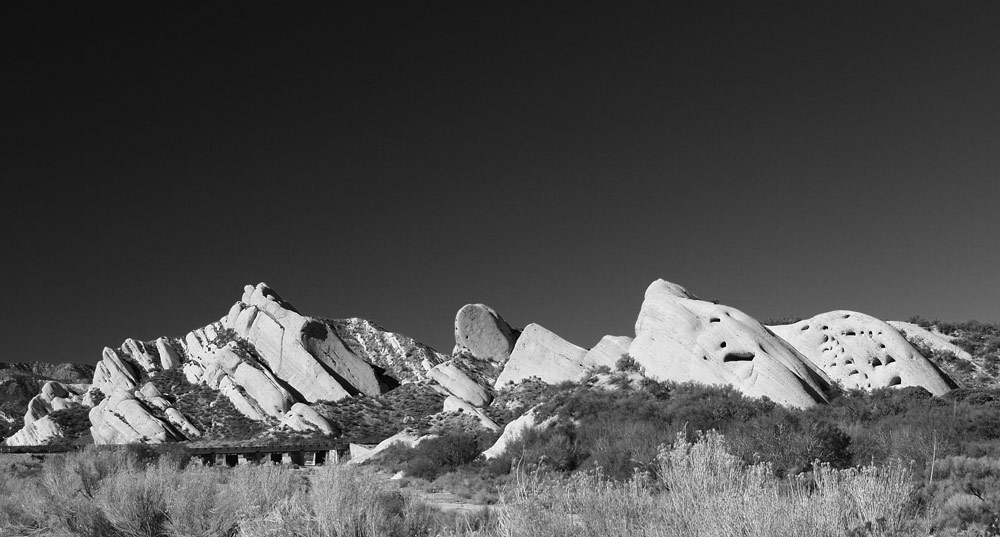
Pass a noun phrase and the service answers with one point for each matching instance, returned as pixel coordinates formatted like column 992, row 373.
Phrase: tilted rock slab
column 454, row 379
column 39, row 432
column 402, row 357
column 513, row 431
column 542, row 354
column 862, row 352
column 483, row 333
column 299, row 350
column 123, row 419
column 455, row 404
column 681, row 338
column 304, row 418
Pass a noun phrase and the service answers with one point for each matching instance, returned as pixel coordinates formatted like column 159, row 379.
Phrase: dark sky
column 550, row 162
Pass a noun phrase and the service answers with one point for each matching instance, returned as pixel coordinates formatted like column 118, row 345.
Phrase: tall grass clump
column 701, row 489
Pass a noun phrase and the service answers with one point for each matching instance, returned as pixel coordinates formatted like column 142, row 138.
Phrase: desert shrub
column 700, row 488
column 627, row 363
column 790, row 442
column 436, row 456
column 74, row 422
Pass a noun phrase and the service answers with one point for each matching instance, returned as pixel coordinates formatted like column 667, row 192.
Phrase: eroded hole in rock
column 826, row 338
column 889, row 359
column 850, row 333
column 876, row 362
column 738, row 357
column 881, row 345
column 722, row 345
column 825, row 327
column 849, row 361
column 804, row 327
column 895, row 381
column 852, row 372
column 714, row 320
column 847, row 315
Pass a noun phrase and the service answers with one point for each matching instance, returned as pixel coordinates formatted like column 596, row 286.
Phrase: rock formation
column 860, row 351
column 681, row 338
column 541, row 353
column 483, row 333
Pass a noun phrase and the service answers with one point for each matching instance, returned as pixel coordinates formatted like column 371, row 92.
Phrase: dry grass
column 702, row 490
column 697, row 488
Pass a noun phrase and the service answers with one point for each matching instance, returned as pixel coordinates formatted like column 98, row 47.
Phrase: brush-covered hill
column 20, row 382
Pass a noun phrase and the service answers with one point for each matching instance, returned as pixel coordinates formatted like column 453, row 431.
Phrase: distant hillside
column 19, row 382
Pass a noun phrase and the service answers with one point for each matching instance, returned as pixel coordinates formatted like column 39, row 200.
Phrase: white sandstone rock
column 455, row 404
column 540, row 353
column 404, row 437
column 514, row 430
column 482, row 332
column 39, row 432
column 608, row 351
column 168, row 356
column 682, row 338
column 304, row 418
column 860, row 351
column 113, row 373
column 458, row 383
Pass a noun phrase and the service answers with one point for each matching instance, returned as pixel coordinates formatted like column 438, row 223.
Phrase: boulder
column 407, row 438
column 540, row 353
column 137, row 350
column 451, row 376
column 862, row 352
column 514, row 430
column 302, row 417
column 681, row 338
column 483, row 333
column 121, row 419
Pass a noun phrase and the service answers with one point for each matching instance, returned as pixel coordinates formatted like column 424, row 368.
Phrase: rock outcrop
column 860, row 351
column 482, row 332
column 39, row 432
column 303, row 418
column 453, row 378
column 122, row 419
column 514, row 430
column 542, row 354
column 681, row 338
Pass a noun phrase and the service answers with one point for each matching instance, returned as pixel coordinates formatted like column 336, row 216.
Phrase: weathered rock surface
column 608, row 351
column 860, row 351
column 682, row 338
column 39, row 432
column 458, row 382
column 514, row 430
column 360, row 454
column 483, row 333
column 541, row 353
column 121, row 419
column 303, row 418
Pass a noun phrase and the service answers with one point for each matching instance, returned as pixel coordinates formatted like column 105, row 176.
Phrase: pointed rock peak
column 261, row 293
